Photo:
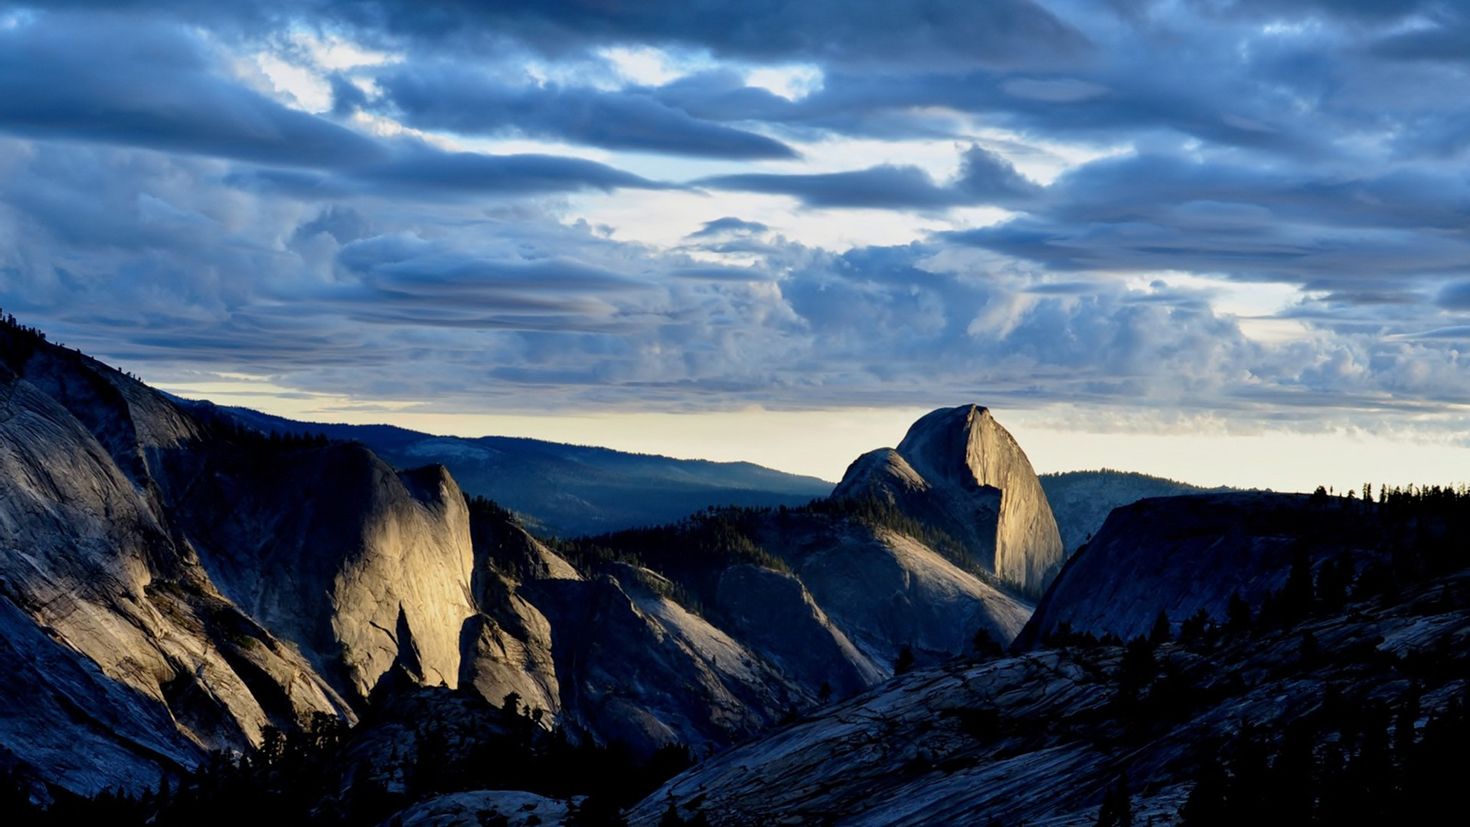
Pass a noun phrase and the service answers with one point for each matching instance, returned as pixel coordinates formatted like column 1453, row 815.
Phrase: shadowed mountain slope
column 568, row 490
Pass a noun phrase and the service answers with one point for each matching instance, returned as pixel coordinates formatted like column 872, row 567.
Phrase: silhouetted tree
column 1162, row 631
column 905, row 660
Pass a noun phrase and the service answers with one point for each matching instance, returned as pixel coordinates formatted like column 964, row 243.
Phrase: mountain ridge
column 566, row 489
column 206, row 584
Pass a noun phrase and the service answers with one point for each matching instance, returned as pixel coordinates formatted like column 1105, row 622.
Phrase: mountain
column 175, row 583
column 1182, row 555
column 959, row 471
column 567, row 490
column 1082, row 500
column 1338, row 698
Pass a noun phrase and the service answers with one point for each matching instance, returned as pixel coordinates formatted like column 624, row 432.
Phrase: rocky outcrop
column 331, row 548
column 958, row 471
column 124, row 643
column 1182, row 555
column 1041, row 737
column 639, row 668
column 172, row 582
column 773, row 613
column 887, row 591
column 510, row 808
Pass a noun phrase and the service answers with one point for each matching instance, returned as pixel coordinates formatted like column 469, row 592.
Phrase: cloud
column 1163, row 212
column 474, row 103
column 163, row 204
column 728, row 225
column 984, row 178
column 156, row 87
column 865, row 32
column 1455, row 296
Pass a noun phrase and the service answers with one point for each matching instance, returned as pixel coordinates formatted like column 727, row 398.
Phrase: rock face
column 130, row 662
column 377, row 571
column 510, row 808
column 174, row 582
column 1181, row 555
column 959, row 471
column 886, row 590
column 1040, row 737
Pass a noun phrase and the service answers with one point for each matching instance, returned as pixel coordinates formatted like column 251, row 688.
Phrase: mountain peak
column 958, row 468
column 940, row 444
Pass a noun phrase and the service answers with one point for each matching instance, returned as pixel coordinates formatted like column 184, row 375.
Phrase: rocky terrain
column 247, row 627
column 1279, row 703
column 175, row 583
column 568, row 490
column 1183, row 555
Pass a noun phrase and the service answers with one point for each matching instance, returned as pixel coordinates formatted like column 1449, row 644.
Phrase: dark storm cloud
column 159, row 207
column 1259, row 223
column 419, row 171
column 855, row 32
column 406, row 264
column 472, row 103
column 858, row 32
column 154, row 87
column 984, row 178
column 160, row 88
column 1455, row 296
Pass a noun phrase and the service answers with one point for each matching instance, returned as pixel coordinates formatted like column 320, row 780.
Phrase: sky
column 1221, row 240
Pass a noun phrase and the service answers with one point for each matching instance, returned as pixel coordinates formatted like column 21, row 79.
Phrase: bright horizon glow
column 822, row 443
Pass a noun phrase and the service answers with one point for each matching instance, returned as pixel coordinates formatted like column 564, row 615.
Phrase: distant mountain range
column 1082, row 500
column 568, row 490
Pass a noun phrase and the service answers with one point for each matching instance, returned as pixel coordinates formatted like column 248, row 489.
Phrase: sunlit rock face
column 173, row 582
column 959, row 471
column 356, row 564
column 122, row 658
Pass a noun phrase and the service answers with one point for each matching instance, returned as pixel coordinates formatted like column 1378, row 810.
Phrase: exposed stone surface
column 958, row 470
column 172, row 583
column 1039, row 737
column 1186, row 554
column 508, row 808
column 885, row 590
column 124, row 643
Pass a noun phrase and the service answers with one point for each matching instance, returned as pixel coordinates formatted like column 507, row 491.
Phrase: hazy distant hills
column 568, row 490
column 1082, row 500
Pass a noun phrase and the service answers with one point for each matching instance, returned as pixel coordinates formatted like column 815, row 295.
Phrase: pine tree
column 1205, row 806
column 1238, row 614
column 905, row 660
column 1162, row 631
